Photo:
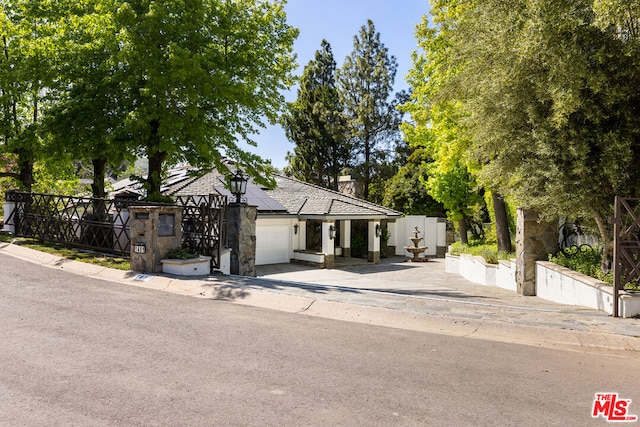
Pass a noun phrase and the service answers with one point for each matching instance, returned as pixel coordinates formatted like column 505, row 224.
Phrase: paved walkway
column 396, row 293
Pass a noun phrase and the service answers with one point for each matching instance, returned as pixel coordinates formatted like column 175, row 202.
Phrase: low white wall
column 452, row 264
column 472, row 268
column 317, row 258
column 506, row 275
column 565, row 286
column 200, row 266
column 553, row 283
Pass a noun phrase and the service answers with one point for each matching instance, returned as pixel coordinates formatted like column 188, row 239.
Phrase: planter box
column 553, row 283
column 452, row 264
column 472, row 268
column 506, row 275
column 200, row 266
column 565, row 286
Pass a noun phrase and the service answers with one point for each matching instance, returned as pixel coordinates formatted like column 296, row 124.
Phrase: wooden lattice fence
column 626, row 249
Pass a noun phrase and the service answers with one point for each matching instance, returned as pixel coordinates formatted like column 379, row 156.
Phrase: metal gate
column 626, row 246
column 204, row 225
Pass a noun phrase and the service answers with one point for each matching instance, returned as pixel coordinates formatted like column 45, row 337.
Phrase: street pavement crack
column 308, row 307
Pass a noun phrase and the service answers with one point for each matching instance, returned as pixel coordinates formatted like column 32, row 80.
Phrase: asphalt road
column 82, row 352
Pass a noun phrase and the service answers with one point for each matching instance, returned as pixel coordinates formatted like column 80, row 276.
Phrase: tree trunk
column 607, row 243
column 502, row 223
column 25, row 171
column 462, row 228
column 156, row 160
column 367, row 168
column 97, row 187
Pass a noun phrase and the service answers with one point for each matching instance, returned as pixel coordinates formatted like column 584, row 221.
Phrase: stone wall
column 535, row 239
column 145, row 231
column 241, row 233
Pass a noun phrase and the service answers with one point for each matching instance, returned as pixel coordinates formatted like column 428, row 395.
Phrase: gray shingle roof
column 306, row 199
column 290, row 197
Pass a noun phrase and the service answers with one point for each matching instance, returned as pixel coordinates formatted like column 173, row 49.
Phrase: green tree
column 316, row 124
column 436, row 125
column 185, row 81
column 553, row 111
column 406, row 191
column 28, row 34
column 87, row 118
column 365, row 82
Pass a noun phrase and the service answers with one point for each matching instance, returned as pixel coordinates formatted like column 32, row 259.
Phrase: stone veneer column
column 535, row 239
column 241, row 235
column 145, row 231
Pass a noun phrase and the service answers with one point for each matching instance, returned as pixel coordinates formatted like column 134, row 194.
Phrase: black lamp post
column 238, row 185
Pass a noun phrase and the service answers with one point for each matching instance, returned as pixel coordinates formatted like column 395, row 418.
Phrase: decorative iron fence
column 204, row 225
column 103, row 225
column 77, row 221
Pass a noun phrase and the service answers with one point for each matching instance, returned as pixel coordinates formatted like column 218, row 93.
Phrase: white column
column 328, row 244
column 345, row 237
column 302, row 235
column 374, row 242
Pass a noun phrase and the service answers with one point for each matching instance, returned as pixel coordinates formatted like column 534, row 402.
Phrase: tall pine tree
column 366, row 82
column 316, row 124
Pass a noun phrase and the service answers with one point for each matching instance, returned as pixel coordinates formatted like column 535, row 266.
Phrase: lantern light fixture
column 238, row 185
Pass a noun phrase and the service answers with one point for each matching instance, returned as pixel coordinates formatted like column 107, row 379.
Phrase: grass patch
column 488, row 251
column 90, row 257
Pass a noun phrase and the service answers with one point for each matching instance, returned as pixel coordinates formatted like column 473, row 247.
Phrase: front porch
column 325, row 241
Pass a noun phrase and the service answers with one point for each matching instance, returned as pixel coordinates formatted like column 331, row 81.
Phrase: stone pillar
column 241, row 233
column 535, row 239
column 374, row 242
column 154, row 231
column 329, row 243
column 345, row 237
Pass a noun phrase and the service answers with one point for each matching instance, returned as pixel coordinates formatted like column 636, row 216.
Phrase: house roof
column 289, row 197
column 307, row 200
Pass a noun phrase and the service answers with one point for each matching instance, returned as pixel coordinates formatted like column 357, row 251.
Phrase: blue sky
column 338, row 21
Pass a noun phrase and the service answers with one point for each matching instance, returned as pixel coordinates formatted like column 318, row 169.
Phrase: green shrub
column 481, row 248
column 180, row 253
column 584, row 260
column 158, row 198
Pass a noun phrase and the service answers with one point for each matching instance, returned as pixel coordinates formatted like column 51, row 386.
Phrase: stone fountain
column 415, row 249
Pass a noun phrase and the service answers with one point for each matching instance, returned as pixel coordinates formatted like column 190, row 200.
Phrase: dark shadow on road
column 239, row 287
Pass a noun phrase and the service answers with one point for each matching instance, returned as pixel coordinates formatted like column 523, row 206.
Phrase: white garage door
column 272, row 244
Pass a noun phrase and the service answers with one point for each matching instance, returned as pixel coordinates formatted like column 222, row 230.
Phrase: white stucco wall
column 433, row 233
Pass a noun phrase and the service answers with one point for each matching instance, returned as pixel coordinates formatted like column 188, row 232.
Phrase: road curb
column 477, row 327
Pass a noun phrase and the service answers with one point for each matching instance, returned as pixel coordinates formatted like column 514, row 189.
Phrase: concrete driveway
column 399, row 276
